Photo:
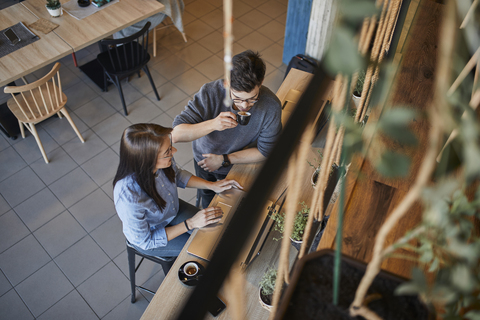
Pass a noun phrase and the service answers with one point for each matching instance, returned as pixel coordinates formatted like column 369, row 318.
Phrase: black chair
column 122, row 57
column 166, row 264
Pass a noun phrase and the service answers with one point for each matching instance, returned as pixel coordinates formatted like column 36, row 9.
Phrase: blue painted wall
column 298, row 18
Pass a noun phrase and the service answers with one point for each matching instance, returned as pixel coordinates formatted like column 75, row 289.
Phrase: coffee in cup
column 191, row 269
column 243, row 117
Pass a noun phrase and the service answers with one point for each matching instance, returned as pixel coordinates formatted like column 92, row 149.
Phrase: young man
column 218, row 140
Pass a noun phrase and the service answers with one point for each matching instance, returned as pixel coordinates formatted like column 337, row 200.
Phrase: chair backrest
column 127, row 53
column 40, row 99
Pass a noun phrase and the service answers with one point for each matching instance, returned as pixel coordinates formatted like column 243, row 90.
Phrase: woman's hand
column 222, row 185
column 205, row 217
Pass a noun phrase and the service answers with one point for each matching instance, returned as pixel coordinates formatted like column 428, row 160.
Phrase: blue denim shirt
column 143, row 222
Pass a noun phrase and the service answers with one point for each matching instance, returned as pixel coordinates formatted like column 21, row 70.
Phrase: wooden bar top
column 82, row 33
column 38, row 54
column 172, row 294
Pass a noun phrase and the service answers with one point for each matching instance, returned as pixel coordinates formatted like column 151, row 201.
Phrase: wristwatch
column 225, row 162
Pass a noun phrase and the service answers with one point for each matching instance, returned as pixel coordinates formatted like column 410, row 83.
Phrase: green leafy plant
column 53, row 4
column 298, row 226
column 449, row 247
column 267, row 284
column 360, row 82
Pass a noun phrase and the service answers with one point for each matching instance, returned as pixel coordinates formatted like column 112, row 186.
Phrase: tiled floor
column 62, row 250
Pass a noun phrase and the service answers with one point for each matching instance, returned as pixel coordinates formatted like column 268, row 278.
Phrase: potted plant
column 316, row 166
column 309, row 294
column 54, row 8
column 267, row 287
column 298, row 226
column 357, row 92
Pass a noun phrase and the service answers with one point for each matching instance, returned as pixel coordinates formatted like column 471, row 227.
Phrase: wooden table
column 23, row 61
column 79, row 34
column 171, row 295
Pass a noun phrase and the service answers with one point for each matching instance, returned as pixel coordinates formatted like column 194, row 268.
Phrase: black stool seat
column 165, row 262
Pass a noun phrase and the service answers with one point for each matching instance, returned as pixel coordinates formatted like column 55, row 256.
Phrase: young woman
column 145, row 193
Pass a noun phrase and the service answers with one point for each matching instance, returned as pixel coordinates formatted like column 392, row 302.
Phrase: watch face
column 225, row 163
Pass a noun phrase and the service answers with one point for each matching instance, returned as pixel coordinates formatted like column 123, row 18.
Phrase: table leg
column 74, row 59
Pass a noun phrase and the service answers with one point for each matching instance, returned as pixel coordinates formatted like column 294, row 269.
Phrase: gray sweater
column 264, row 126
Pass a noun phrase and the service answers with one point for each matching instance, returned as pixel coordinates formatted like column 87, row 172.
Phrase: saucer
column 83, row 3
column 189, row 280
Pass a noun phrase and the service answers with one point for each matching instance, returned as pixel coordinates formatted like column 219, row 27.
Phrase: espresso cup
column 243, row 118
column 191, row 269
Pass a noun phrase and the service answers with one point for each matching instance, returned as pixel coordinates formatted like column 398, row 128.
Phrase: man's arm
column 214, row 161
column 188, row 132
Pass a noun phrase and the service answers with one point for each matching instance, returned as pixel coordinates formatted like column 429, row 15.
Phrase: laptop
column 206, row 239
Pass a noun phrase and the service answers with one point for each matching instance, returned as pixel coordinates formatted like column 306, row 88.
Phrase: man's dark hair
column 248, row 71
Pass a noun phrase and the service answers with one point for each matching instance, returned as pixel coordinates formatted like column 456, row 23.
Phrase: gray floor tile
column 170, row 95
column 178, row 108
column 28, row 147
column 25, row 180
column 109, row 236
column 81, row 152
column 255, row 19
column 116, row 147
column 93, row 210
column 142, row 111
column 95, row 111
column 130, row 94
column 12, row 230
column 194, row 54
column 44, row 288
column 214, row 19
column 184, row 153
column 164, row 120
column 105, row 289
column 4, row 284
column 23, row 259
column 102, row 167
column 4, row 206
column 127, row 310
column 62, row 131
column 255, row 41
column 12, row 163
column 78, row 96
column 81, row 260
column 73, row 187
column 241, row 8
column 146, row 270
column 187, row 194
column 13, row 307
column 108, row 189
column 272, row 8
column 154, row 283
column 3, row 143
column 60, row 164
column 213, row 42
column 198, row 29
column 71, row 307
column 111, row 129
column 39, row 209
column 191, row 81
column 59, row 234
column 274, row 80
column 143, row 85
column 171, row 67
column 199, row 8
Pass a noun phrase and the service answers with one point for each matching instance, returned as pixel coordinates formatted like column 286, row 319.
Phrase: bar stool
column 165, row 262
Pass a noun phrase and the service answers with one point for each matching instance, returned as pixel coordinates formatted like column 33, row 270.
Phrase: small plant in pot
column 267, row 287
column 316, row 165
column 357, row 92
column 298, row 226
column 54, row 8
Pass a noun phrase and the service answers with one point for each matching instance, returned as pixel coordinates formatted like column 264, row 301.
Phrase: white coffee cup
column 191, row 269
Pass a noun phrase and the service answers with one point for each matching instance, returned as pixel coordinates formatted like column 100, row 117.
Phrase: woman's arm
column 200, row 219
column 217, row 186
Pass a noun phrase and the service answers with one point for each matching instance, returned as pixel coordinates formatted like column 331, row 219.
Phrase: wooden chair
column 38, row 101
column 124, row 57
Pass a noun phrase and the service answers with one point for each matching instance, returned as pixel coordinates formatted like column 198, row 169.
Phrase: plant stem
column 338, row 252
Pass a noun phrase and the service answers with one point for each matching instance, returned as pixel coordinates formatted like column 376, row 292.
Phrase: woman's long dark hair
column 139, row 149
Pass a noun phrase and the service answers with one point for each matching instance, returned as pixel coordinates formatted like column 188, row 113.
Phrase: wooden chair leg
column 22, row 129
column 33, row 130
column 154, row 42
column 184, row 36
column 151, row 81
column 67, row 115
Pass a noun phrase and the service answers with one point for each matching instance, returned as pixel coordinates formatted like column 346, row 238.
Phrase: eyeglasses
column 169, row 151
column 248, row 101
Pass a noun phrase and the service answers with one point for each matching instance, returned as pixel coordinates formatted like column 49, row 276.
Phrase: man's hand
column 211, row 162
column 222, row 185
column 225, row 120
